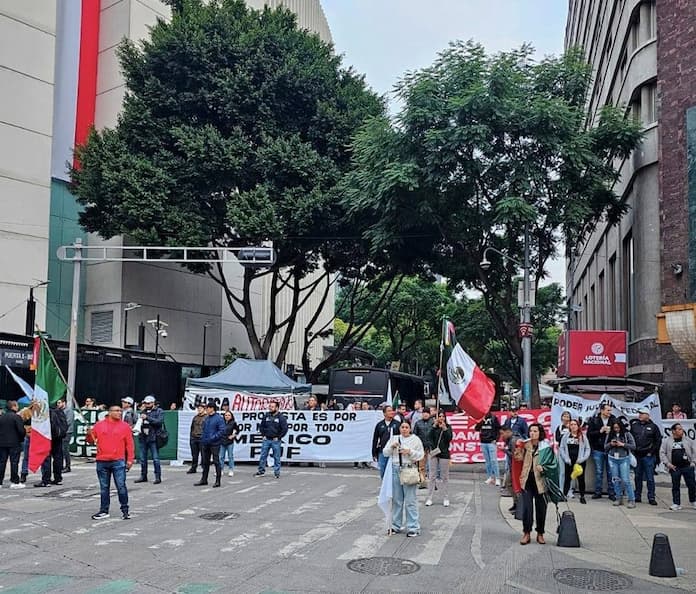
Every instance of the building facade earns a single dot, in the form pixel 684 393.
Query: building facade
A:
pixel 622 277
pixel 60 56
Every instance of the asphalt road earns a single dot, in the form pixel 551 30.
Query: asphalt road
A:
pixel 295 534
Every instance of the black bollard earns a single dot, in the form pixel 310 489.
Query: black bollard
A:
pixel 568 531
pixel 661 561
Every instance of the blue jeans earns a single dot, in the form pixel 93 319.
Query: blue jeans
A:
pixel 620 469
pixel 105 470
pixel 267 445
pixel 490 455
pixel 151 447
pixel 600 464
pixel 227 450
pixel 404 497
pixel 25 456
pixel 688 474
pixel 645 468
pixel 382 462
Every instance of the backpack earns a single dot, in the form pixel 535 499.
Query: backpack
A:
pixel 59 424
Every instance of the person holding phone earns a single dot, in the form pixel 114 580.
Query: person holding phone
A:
pixel 439 438
pixel 619 444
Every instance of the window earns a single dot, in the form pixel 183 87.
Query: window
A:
pixel 635 32
pixel 600 302
pixel 649 103
pixel 612 293
pixel 650 18
pixel 628 287
pixel 102 326
pixel 593 309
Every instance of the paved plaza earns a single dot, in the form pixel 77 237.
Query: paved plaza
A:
pixel 316 530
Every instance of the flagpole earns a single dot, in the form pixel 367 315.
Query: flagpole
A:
pixel 442 351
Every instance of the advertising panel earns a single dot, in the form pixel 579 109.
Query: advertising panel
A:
pixel 592 353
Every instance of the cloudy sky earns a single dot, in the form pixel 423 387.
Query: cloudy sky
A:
pixel 383 39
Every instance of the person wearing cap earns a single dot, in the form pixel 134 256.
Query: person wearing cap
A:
pixel 648 440
pixel 127 412
pixel 516 423
pixel 152 417
pixel 211 438
pixel 115 455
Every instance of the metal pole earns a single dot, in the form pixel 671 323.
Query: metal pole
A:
pixel 526 319
pixel 125 329
pixel 72 349
pixel 31 313
pixel 157 331
pixel 205 330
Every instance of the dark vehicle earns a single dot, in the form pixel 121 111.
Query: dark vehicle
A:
pixel 369 384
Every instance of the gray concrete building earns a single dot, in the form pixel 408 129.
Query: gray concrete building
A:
pixel 622 277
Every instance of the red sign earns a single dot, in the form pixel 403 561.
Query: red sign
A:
pixel 592 353
pixel 465 447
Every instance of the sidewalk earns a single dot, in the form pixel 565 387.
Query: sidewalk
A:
pixel 621 538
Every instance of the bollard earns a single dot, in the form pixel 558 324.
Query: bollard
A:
pixel 661 561
pixel 568 531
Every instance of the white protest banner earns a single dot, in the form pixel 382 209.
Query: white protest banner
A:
pixel 324 436
pixel 236 400
pixel 583 408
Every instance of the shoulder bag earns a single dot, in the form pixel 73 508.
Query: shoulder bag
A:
pixel 408 475
pixel 436 450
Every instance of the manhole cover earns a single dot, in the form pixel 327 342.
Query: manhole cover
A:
pixel 219 516
pixel 593 579
pixel 383 566
pixel 71 492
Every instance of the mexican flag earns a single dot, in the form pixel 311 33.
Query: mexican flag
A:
pixel 469 387
pixel 48 389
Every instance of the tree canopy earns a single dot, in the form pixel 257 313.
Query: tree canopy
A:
pixel 235 130
pixel 484 147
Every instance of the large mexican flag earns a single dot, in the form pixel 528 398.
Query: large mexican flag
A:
pixel 48 389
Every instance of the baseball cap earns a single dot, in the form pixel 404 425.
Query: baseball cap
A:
pixel 127 399
pixel 643 410
pixel 211 404
pixel 148 399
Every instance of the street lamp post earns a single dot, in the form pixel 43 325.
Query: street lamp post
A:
pixel 526 307
pixel 31 308
pixel 126 309
pixel 160 330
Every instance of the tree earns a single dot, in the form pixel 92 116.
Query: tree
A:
pixel 484 147
pixel 235 131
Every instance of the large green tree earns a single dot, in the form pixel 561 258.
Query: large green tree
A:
pixel 484 147
pixel 235 131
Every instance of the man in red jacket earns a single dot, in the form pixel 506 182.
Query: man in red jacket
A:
pixel 115 454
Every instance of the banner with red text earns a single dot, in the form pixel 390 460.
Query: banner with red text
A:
pixel 236 400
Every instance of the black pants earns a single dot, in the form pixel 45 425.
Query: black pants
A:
pixel 208 451
pixel 66 451
pixel 567 479
pixel 11 454
pixel 55 456
pixel 195 452
pixel 531 499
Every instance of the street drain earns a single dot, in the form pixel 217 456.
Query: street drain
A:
pixel 593 579
pixel 383 566
pixel 219 516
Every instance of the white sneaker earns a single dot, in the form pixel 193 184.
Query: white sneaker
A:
pixel 428 502
pixel 489 480
pixel 675 507
pixel 230 473
pixel 694 504
pixel 497 482
pixel 17 485
pixel 570 493
pixel 446 503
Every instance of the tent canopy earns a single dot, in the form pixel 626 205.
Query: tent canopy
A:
pixel 248 375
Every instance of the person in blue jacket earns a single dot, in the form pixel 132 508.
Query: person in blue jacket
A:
pixel 273 427
pixel 211 439
pixel 152 417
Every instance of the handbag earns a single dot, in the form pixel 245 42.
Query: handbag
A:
pixel 436 451
pixel 408 475
pixel 632 460
pixel 162 437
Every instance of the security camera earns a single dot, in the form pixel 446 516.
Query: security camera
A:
pixel 485 264
pixel 163 333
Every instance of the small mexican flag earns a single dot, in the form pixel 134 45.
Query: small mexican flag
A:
pixel 48 389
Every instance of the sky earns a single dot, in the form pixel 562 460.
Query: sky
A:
pixel 383 39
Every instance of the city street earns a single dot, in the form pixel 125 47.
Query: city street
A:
pixel 296 534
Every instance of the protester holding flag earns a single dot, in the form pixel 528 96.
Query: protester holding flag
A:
pixel 48 389
pixel 532 481
pixel 405 450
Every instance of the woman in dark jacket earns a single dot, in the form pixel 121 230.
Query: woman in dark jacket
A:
pixel 440 437
pixel 227 447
